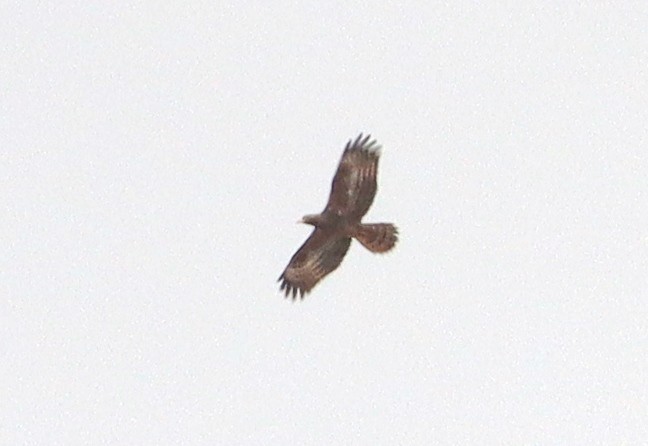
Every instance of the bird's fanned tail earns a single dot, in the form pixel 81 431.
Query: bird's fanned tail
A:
pixel 377 237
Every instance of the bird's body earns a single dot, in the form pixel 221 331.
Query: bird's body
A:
pixel 352 192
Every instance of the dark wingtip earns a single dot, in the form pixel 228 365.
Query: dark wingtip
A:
pixel 363 143
pixel 292 292
pixel 351 144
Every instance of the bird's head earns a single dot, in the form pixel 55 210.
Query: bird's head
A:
pixel 312 219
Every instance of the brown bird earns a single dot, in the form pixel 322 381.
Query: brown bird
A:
pixel 352 192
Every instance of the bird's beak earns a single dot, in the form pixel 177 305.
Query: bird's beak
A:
pixel 300 221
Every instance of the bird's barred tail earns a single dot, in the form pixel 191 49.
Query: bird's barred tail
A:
pixel 378 237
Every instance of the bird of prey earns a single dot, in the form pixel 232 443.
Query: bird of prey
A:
pixel 352 192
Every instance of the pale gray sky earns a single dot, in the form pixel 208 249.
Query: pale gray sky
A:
pixel 154 159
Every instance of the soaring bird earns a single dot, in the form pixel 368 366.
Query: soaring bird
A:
pixel 352 192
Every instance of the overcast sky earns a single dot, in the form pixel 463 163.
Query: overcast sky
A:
pixel 153 162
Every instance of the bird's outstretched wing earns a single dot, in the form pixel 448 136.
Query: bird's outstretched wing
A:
pixel 354 184
pixel 320 254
